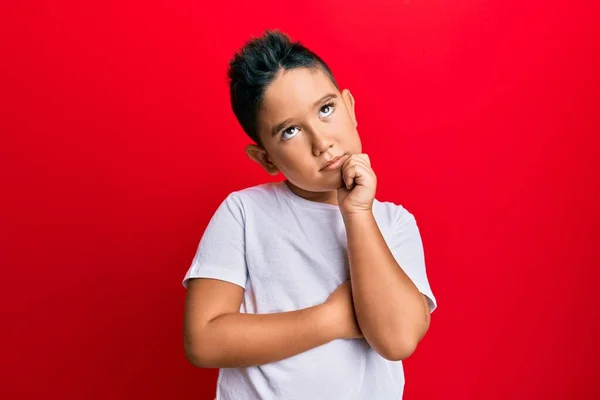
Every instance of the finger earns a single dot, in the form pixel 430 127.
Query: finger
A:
pixel 346 161
pixel 367 171
pixel 365 158
pixel 358 159
pixel 355 174
pixel 348 176
pixel 346 179
pixel 354 161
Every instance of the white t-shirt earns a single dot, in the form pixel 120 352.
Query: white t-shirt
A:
pixel 290 253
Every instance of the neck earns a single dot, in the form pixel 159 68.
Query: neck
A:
pixel 329 197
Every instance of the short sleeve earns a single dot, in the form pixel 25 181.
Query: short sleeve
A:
pixel 406 245
pixel 221 251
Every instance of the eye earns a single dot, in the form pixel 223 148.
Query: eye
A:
pixel 329 109
pixel 288 130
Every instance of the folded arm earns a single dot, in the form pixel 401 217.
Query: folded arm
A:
pixel 217 335
pixel 393 315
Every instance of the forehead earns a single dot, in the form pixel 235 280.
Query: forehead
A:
pixel 293 93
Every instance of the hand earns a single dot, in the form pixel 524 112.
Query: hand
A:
pixel 340 312
pixel 359 185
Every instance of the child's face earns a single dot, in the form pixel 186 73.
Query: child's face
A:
pixel 304 122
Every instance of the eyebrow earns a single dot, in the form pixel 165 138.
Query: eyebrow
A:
pixel 282 124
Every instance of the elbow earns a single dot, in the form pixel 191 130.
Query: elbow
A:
pixel 396 344
pixel 399 349
pixel 197 356
pixel 401 346
pixel 194 357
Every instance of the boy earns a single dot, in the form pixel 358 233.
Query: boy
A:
pixel 308 288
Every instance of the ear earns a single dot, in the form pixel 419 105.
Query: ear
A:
pixel 259 154
pixel 349 100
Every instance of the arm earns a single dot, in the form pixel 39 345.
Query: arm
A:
pixel 393 315
pixel 217 335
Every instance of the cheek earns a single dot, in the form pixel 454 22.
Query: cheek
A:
pixel 347 127
pixel 296 162
pixel 351 137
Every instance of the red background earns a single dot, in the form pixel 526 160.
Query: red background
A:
pixel 117 145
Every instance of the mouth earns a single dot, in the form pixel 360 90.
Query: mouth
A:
pixel 334 163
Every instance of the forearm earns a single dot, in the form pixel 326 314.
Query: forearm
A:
pixel 242 340
pixel 389 308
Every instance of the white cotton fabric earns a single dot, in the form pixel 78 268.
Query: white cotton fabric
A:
pixel 290 253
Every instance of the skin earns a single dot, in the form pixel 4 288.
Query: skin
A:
pixel 217 335
pixel 313 133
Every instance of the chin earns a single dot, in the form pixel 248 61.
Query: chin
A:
pixel 333 183
pixel 322 183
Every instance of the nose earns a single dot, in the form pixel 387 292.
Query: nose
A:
pixel 321 142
